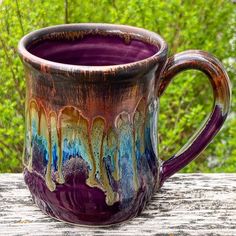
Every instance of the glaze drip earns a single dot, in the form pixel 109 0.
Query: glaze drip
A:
pixel 117 158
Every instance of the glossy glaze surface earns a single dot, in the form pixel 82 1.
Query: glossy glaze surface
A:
pixel 90 153
pixel 93 50
pixel 92 102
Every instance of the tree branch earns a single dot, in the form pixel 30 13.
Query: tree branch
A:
pixel 66 11
pixel 19 17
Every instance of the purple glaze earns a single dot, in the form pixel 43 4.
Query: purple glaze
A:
pixel 78 203
pixel 93 50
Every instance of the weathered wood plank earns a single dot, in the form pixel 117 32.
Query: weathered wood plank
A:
pixel 188 204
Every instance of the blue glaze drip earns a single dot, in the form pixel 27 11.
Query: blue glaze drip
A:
pixel 73 148
pixel 54 157
pixel 40 153
pixel 110 168
pixel 149 151
pixel 126 163
pixel 34 127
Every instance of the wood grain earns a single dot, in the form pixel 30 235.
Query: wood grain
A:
pixel 188 204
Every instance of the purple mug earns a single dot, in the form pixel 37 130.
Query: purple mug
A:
pixel 92 101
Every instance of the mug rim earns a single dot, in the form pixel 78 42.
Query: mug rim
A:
pixel 47 66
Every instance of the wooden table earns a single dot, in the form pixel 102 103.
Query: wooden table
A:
pixel 188 204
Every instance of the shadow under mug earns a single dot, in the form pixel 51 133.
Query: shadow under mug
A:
pixel 92 101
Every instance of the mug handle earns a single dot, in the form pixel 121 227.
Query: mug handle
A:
pixel 210 66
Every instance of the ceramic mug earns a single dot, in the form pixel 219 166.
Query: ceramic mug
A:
pixel 92 101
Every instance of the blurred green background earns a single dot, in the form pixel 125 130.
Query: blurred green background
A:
pixel 194 24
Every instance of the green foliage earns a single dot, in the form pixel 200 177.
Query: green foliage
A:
pixel 199 24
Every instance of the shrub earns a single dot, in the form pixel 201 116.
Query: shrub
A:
pixel 207 25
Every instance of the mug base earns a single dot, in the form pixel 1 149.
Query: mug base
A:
pixel 65 204
pixel 80 224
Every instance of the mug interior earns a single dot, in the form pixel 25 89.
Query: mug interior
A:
pixel 91 48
